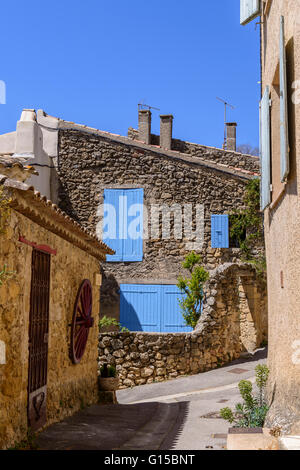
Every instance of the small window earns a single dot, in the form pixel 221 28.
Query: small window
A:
pixel 234 239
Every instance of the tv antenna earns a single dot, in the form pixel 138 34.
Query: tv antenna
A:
pixel 146 106
pixel 225 119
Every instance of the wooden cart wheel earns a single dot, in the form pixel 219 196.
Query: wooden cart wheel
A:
pixel 82 321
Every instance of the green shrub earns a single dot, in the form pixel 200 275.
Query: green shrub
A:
pixel 108 371
pixel 191 304
pixel 252 412
pixel 106 322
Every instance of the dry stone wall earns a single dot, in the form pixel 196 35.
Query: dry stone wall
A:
pixel 234 319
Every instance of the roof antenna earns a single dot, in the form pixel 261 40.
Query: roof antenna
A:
pixel 225 119
pixel 146 106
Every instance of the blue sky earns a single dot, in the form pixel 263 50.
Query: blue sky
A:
pixel 91 62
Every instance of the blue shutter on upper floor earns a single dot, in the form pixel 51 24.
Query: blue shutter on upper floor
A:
pixel 111 222
pixel 123 223
pixel 219 231
pixel 133 225
pixel 250 9
pixel 284 132
pixel 265 150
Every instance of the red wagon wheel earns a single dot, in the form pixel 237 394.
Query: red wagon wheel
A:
pixel 82 321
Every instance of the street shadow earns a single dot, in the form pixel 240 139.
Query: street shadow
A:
pixel 139 426
pixel 250 357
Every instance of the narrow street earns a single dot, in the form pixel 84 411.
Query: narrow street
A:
pixel 181 414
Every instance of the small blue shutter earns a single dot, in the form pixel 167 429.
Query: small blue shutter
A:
pixel 133 225
pixel 220 231
pixel 265 149
pixel 284 133
pixel 250 9
pixel 111 200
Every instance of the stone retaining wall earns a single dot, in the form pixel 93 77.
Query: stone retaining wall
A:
pixel 234 319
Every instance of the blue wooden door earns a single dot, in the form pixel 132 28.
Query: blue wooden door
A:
pixel 151 308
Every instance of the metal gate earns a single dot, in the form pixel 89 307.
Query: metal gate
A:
pixel 38 339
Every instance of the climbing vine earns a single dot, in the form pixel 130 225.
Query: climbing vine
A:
pixel 246 227
pixel 4 217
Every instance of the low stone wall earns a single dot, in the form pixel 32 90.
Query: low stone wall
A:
pixel 234 319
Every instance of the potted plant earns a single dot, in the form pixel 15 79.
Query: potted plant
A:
pixel 108 380
pixel 249 416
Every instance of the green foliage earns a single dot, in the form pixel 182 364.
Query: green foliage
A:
pixel 29 443
pixel 192 288
pixel 246 226
pixel 5 275
pixel 252 412
pixel 106 322
pixel 4 217
pixel 4 210
pixel 108 371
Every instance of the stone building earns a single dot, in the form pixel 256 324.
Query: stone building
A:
pixel 175 196
pixel 280 148
pixel 49 308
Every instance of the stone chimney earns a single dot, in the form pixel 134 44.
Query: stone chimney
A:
pixel 166 126
pixel 231 135
pixel 145 125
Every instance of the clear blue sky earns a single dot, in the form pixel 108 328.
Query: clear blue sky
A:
pixel 92 61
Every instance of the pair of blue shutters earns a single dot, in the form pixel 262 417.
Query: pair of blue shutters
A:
pixel 151 308
pixel 265 121
pixel 220 231
pixel 123 223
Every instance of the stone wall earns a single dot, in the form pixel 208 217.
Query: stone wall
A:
pixel 89 163
pixel 234 319
pixel 69 386
pixel 225 157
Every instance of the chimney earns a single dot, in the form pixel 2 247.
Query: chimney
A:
pixel 231 135
pixel 145 125
pixel 166 125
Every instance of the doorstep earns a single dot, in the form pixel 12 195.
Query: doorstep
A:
pixel 289 442
pixel 251 439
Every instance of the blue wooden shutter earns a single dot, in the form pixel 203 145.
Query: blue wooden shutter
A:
pixel 111 200
pixel 133 225
pixel 220 231
pixel 265 149
pixel 284 133
pixel 140 307
pixel 172 320
pixel 250 9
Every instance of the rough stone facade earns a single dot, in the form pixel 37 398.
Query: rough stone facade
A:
pixel 234 319
pixel 69 386
pixel 225 157
pixel 89 163
pixel 282 218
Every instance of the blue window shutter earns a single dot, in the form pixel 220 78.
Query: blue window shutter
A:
pixel 112 217
pixel 250 9
pixel 265 149
pixel 284 132
pixel 220 231
pixel 133 225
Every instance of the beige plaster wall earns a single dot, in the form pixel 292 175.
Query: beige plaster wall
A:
pixel 70 387
pixel 282 222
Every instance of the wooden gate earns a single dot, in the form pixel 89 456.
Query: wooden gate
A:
pixel 38 339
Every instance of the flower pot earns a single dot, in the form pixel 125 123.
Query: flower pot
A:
pixel 251 439
pixel 108 384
